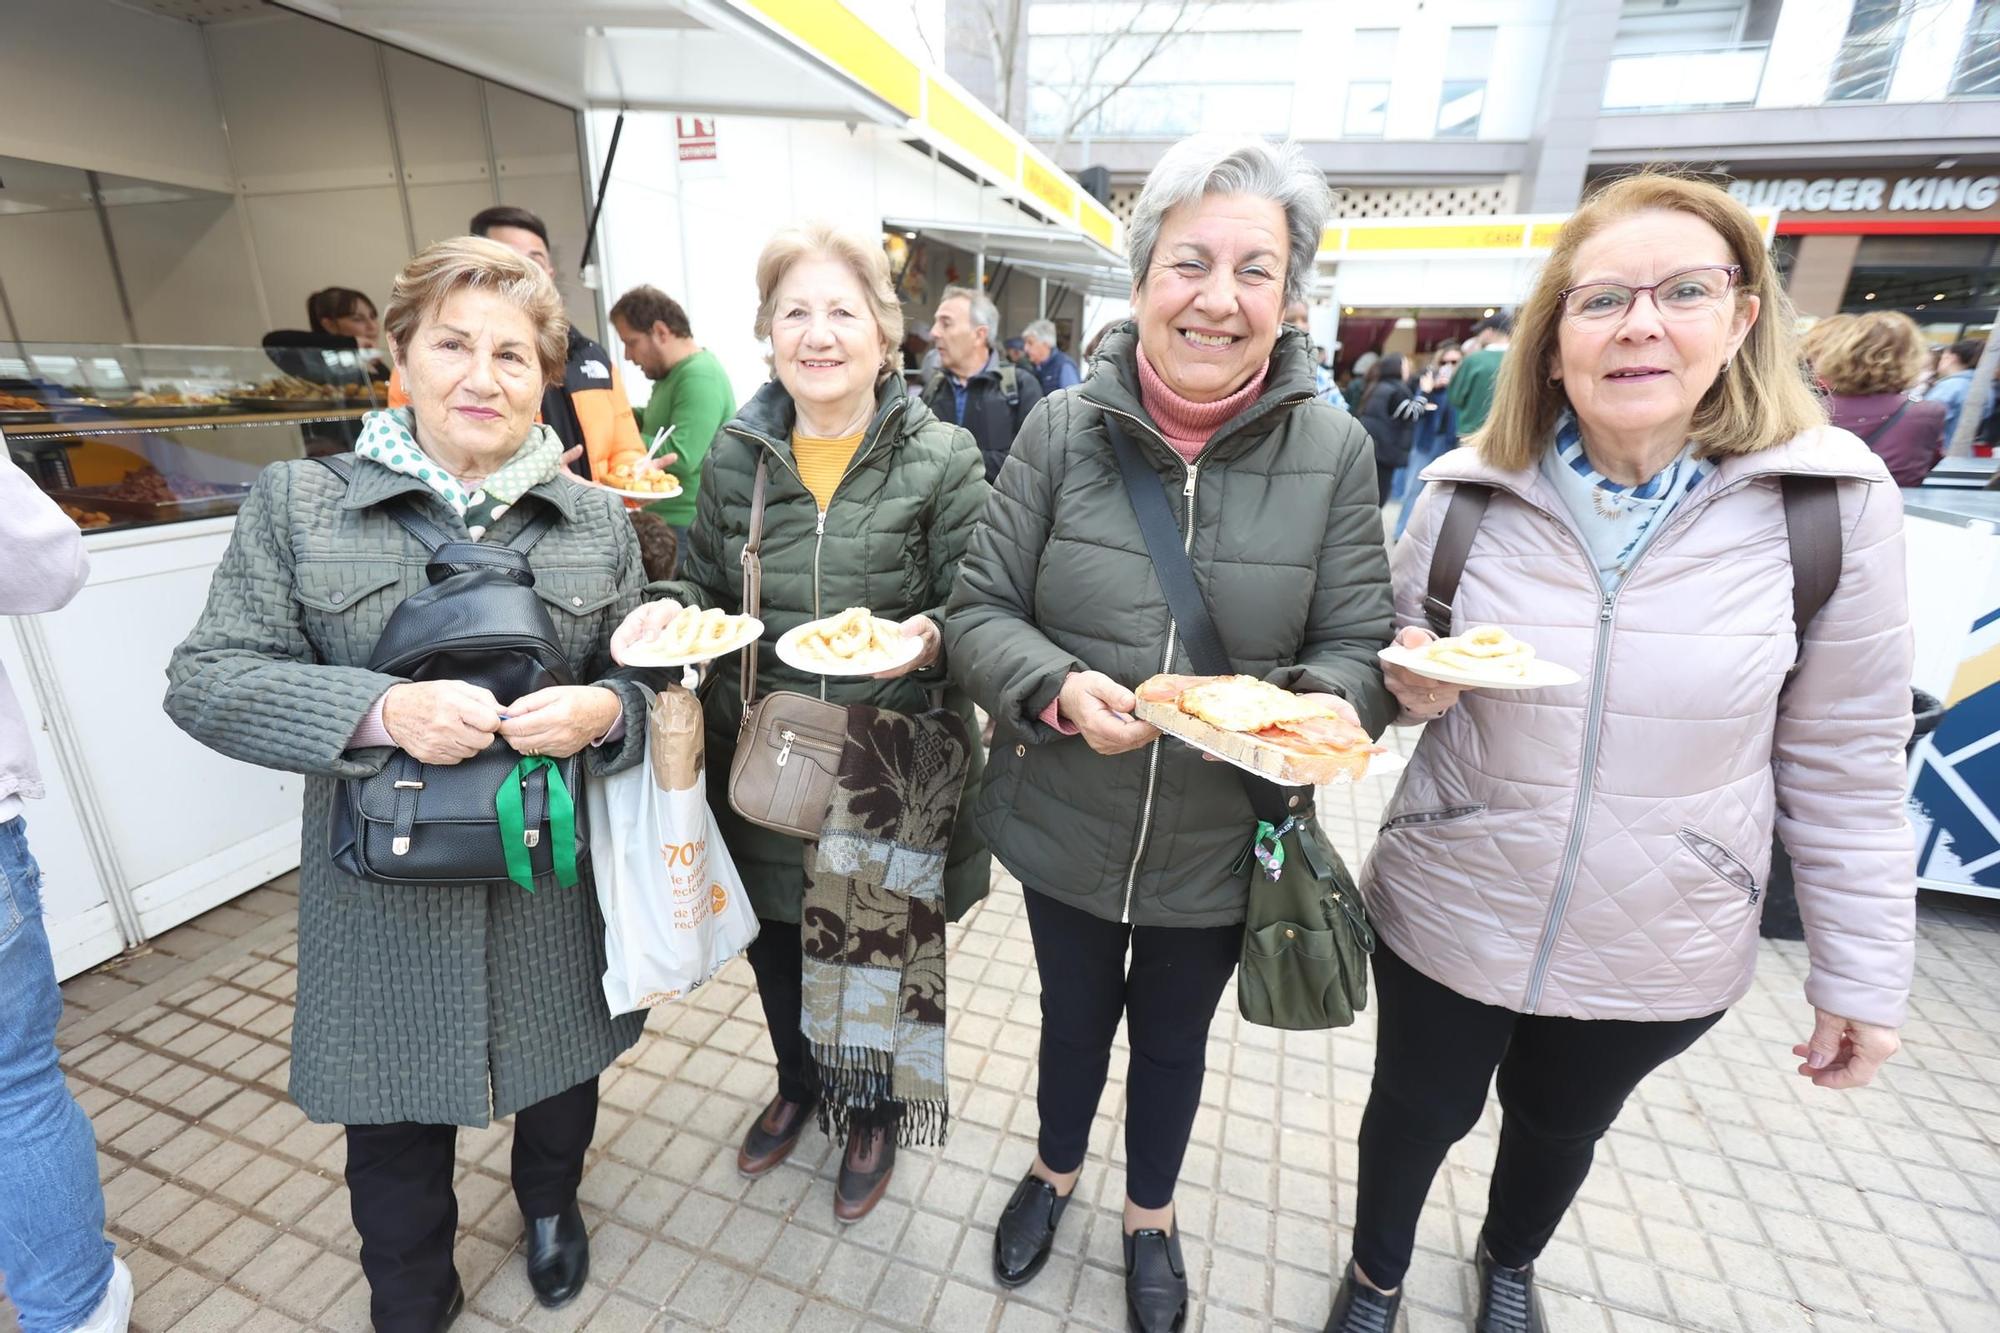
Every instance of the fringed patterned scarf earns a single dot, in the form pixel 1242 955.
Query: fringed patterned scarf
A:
pixel 873 923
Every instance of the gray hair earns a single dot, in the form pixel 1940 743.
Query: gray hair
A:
pixel 1042 331
pixel 984 313
pixel 1209 164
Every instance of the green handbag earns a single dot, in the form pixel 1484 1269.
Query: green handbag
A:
pixel 1306 937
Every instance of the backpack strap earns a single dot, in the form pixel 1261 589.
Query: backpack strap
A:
pixel 1812 529
pixel 1454 541
pixel 1010 383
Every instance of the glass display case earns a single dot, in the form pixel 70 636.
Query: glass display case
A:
pixel 134 436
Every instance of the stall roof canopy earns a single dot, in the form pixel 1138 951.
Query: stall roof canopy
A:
pixel 1039 252
pixel 784 58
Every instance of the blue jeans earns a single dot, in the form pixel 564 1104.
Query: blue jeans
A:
pixel 1420 458
pixel 52 1247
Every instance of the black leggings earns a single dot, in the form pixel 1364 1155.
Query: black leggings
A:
pixel 1562 1082
pixel 1168 997
pixel 399 1187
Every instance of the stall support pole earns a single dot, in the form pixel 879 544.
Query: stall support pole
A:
pixel 1042 301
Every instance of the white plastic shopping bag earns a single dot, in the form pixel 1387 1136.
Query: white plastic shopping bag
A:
pixel 674 907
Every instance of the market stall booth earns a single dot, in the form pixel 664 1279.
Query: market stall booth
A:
pixel 177 179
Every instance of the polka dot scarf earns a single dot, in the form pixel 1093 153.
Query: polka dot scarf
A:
pixel 390 439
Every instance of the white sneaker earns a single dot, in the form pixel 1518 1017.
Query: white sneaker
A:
pixel 114 1312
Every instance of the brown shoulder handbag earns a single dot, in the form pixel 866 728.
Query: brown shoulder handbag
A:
pixel 788 751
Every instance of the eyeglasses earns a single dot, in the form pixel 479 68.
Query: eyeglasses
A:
pixel 1685 295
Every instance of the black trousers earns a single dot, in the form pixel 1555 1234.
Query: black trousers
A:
pixel 1167 996
pixel 777 958
pixel 1562 1081
pixel 399 1186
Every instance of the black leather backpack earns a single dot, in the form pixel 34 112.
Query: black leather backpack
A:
pixel 499 816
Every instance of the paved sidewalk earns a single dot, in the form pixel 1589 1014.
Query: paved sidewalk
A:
pixel 1730 1196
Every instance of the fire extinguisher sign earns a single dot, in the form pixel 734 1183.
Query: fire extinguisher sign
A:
pixel 697 137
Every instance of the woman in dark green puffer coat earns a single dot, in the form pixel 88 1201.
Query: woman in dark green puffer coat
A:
pixel 1124 840
pixel 869 502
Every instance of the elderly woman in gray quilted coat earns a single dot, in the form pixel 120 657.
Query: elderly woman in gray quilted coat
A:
pixel 424 1008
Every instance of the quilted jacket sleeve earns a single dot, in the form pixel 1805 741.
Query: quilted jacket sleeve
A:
pixel 244 682
pixel 996 651
pixel 1838 763
pixel 633 686
pixel 1349 621
pixel 699 581
pixel 961 499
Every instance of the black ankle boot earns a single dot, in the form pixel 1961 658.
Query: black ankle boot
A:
pixel 558 1257
pixel 1156 1287
pixel 1359 1308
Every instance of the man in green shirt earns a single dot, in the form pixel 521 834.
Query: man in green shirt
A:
pixel 1472 386
pixel 691 392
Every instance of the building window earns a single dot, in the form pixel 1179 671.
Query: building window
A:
pixel 1867 59
pixel 1978 72
pixel 1367 111
pixel 1373 52
pixel 1468 60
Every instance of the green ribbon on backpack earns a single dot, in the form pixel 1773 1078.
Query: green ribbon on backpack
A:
pixel 514 824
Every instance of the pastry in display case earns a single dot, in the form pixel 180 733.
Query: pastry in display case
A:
pixel 133 436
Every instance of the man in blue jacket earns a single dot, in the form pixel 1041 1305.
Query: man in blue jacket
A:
pixel 1052 365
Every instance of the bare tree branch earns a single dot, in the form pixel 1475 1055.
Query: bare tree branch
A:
pixel 1086 105
pixel 917 22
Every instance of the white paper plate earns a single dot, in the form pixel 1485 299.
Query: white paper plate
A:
pixel 648 497
pixel 750 631
pixel 1540 675
pixel 789 654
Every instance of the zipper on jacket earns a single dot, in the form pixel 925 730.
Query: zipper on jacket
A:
pixel 1166 664
pixel 1586 788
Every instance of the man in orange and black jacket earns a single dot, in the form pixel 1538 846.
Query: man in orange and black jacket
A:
pixel 589 407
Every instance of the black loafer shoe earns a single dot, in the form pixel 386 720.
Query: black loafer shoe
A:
pixel 454 1310
pixel 865 1169
pixel 1027 1230
pixel 1508 1302
pixel 1155 1282
pixel 772 1135
pixel 1362 1309
pixel 558 1257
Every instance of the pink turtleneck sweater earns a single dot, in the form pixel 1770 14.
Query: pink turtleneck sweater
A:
pixel 1187 426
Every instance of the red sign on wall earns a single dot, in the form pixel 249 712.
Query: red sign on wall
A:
pixel 697 137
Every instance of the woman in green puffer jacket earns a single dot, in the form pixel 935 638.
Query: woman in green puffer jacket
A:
pixel 1121 838
pixel 869 502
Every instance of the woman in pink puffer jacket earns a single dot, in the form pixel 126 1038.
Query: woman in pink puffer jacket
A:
pixel 1566 883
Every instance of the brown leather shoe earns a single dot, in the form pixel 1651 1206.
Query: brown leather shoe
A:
pixel 865 1169
pixel 772 1135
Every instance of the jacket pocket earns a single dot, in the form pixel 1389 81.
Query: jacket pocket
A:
pixel 1726 864
pixel 1444 815
pixel 336 587
pixel 573 594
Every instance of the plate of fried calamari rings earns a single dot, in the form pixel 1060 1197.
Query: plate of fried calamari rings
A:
pixel 853 643
pixel 692 637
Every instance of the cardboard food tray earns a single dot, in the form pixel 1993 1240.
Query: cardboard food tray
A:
pixel 1259 756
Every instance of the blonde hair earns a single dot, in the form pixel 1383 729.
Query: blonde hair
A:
pixel 1760 400
pixel 865 259
pixel 1879 352
pixel 427 281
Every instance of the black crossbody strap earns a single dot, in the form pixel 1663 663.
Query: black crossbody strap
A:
pixel 1454 542
pixel 1883 429
pixel 1170 557
pixel 1164 543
